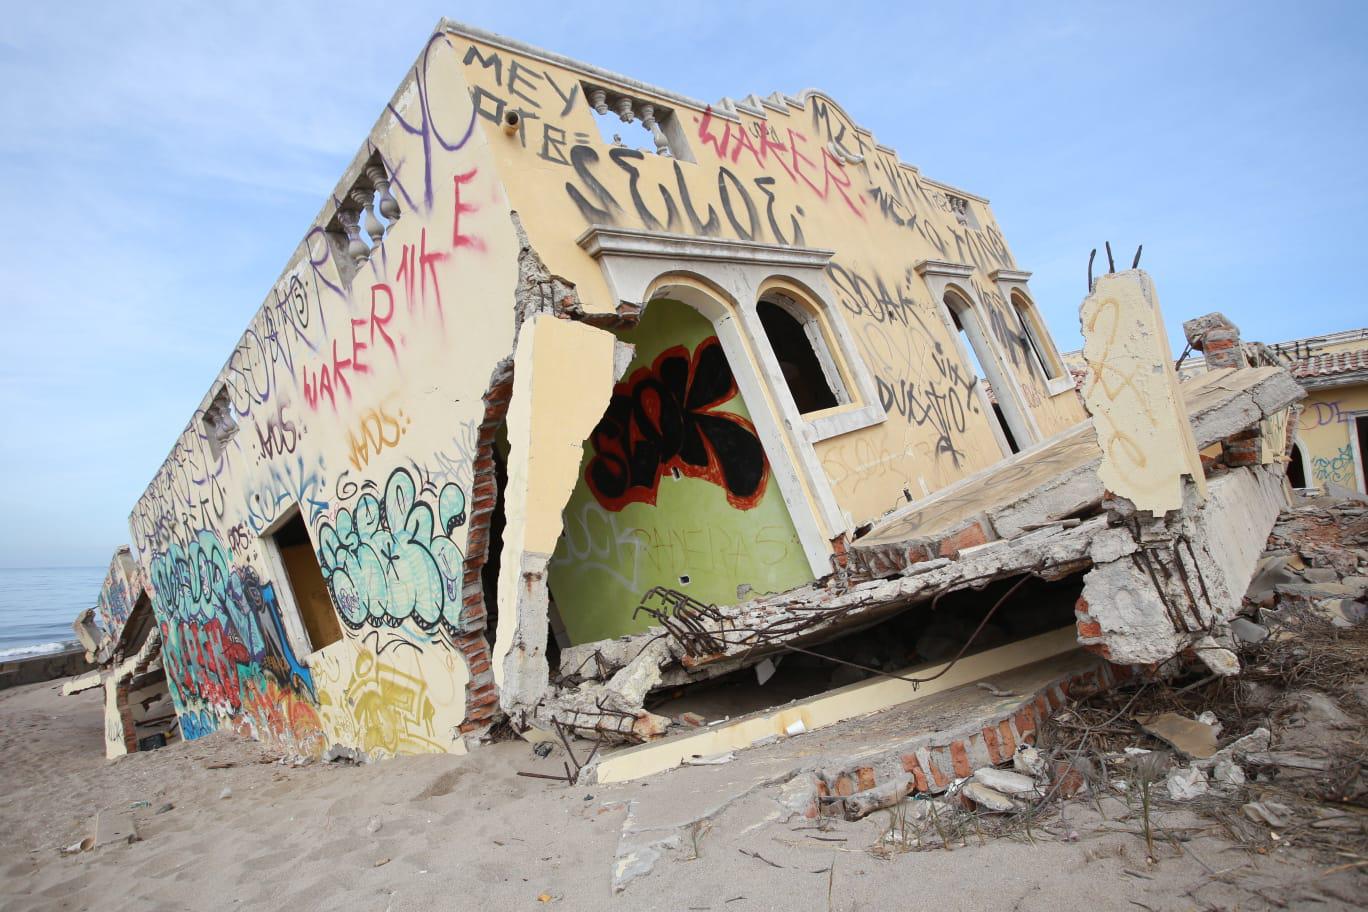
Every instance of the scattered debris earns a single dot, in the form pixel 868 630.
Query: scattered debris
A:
pixel 986 798
pixel 1006 782
pixel 1186 784
pixel 1190 737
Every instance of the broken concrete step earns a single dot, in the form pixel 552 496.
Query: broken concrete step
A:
pixel 1005 781
pixel 987 799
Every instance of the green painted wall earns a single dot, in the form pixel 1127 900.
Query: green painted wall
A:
pixel 668 489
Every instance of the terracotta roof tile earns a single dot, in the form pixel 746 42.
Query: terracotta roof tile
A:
pixel 1331 364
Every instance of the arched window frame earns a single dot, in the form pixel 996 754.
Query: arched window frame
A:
pixel 809 319
pixel 725 280
pixel 1011 284
pixel 943 279
pixel 857 403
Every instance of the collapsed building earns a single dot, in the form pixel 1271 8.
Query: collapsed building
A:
pixel 586 407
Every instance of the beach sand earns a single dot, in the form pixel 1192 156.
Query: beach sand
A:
pixel 440 832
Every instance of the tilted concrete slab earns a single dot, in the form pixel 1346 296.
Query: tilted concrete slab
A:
pixel 1060 475
pixel 800 716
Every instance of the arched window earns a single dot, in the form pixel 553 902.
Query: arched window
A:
pixel 1050 364
pixel 975 346
pixel 804 359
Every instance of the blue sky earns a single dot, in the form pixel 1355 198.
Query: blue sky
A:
pixel 162 160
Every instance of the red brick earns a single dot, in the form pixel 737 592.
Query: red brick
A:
pixel 1008 741
pixel 990 741
pixel 911 765
pixel 968 537
pixel 864 776
pixel 939 779
pixel 1089 629
pixel 959 758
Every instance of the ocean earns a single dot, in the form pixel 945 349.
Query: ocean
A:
pixel 38 605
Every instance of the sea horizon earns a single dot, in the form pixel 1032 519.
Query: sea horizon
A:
pixel 38 606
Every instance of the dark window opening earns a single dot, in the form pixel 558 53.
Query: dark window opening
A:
pixel 1047 365
pixel 1006 430
pixel 1296 475
pixel 955 305
pixel 307 585
pixel 911 641
pixel 1361 426
pixel 798 361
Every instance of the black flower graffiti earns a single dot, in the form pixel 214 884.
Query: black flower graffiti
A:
pixel 665 419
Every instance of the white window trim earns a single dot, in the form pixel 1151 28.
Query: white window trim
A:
pixel 940 277
pixel 636 263
pixel 1009 280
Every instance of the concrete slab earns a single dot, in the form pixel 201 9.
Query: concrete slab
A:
pixel 114 826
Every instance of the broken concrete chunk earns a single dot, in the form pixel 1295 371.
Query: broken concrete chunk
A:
pixel 1246 631
pixel 1191 738
pixel 1216 657
pixel 114 827
pixel 987 799
pixel 1227 772
pixel 1320 575
pixel 1186 784
pixel 1260 812
pixel 1005 781
pixel 1028 762
pixel 1288 760
pixel 1342 612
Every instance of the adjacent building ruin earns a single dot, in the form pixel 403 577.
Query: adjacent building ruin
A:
pixel 581 400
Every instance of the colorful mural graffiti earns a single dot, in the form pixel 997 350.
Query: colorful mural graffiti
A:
pixel 391 561
pixel 667 418
pixel 674 488
pixel 225 650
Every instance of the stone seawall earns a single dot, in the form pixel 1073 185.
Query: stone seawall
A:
pixel 34 669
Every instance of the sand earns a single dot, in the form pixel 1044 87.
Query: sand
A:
pixel 439 832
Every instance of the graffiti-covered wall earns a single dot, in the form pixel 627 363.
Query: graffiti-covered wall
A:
pixel 792 173
pixel 354 397
pixel 120 591
pixel 1325 433
pixel 674 489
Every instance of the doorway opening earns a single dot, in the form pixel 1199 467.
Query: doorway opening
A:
pixel 1361 432
pixel 1296 474
pixel 308 590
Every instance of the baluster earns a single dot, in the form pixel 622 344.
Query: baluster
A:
pixel 389 206
pixel 364 197
pixel 356 248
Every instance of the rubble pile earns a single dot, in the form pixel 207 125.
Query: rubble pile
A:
pixel 1273 757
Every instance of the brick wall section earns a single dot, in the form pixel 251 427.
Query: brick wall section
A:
pixel 1242 449
pixel 929 762
pixel 482 695
pixel 130 732
pixel 882 561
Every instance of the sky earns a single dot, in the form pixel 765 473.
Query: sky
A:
pixel 162 160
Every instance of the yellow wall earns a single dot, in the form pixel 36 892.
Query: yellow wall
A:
pixel 773 180
pixel 357 398
pixel 357 390
pixel 1324 434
